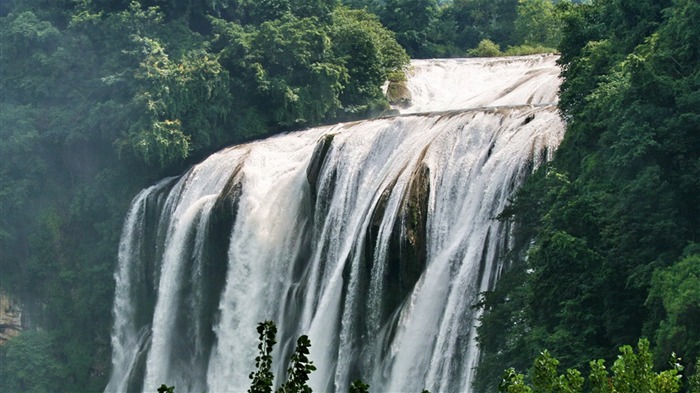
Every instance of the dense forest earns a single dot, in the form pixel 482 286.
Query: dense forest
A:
pixel 101 98
pixel 610 227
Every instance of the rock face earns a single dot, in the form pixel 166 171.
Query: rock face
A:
pixel 10 318
pixel 319 157
pixel 408 253
pixel 398 94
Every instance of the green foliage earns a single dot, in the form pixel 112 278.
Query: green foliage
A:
pixel 486 48
pixel 512 382
pixel 297 375
pixel 300 369
pixel 411 20
pixel 369 53
pixel 372 6
pixel 166 389
pixel 296 72
pixel 522 50
pixel 694 380
pixel 476 20
pixel 632 373
pixel 169 95
pixel 262 379
pixel 538 23
pixel 359 387
pixel 677 288
pixel 100 99
pixel 429 28
pixel 603 224
pixel 27 364
pixel 321 9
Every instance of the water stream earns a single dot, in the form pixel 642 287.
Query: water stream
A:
pixel 375 238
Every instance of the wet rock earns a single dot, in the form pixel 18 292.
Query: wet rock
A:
pixel 10 318
pixel 407 248
pixel 398 94
pixel 317 159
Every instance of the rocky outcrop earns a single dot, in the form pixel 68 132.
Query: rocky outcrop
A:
pixel 398 94
pixel 407 253
pixel 317 159
pixel 411 237
pixel 10 318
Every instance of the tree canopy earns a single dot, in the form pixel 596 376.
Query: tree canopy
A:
pixel 614 217
pixel 632 373
pixel 102 98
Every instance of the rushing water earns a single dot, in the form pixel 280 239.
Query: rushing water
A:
pixel 374 238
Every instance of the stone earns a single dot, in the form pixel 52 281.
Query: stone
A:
pixel 10 318
pixel 398 94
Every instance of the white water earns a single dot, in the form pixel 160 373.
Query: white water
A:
pixel 444 85
pixel 329 259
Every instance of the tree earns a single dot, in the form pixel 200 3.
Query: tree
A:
pixel 173 123
pixel 300 368
pixel 485 19
pixel 632 373
pixel 370 53
pixel 410 20
pixel 617 204
pixel 262 379
pixel 538 23
pixel 101 98
pixel 677 289
pixel 27 364
pixel 297 374
pixel 486 48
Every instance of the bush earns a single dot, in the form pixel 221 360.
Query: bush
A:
pixel 486 48
pixel 522 50
pixel 28 364
pixel 632 372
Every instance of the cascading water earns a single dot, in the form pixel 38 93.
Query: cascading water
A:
pixel 374 238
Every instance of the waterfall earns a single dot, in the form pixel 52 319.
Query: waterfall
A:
pixel 375 238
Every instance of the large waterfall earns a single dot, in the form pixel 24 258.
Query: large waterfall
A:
pixel 375 238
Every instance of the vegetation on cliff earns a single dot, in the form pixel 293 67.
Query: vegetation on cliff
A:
pixel 614 218
pixel 99 99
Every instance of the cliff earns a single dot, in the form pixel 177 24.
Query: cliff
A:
pixel 10 318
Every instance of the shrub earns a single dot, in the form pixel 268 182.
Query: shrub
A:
pixel 486 48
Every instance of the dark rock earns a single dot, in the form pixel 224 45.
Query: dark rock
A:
pixel 317 159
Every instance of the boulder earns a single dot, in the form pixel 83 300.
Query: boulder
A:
pixel 398 94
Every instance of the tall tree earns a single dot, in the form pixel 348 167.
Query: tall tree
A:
pixel 410 20
pixel 484 19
